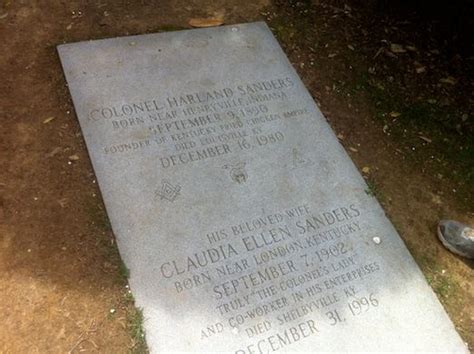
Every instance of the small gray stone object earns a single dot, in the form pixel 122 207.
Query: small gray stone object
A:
pixel 243 221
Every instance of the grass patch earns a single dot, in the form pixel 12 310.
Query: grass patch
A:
pixel 444 286
pixel 296 27
pixel 283 32
pixel 135 321
pixel 441 282
pixel 372 189
pixel 123 270
pixel 98 215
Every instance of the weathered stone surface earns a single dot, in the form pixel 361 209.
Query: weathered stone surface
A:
pixel 244 223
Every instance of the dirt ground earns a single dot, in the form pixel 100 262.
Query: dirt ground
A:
pixel 63 287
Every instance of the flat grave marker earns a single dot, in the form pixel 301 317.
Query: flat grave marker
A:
pixel 245 225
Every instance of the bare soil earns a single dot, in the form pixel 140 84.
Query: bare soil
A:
pixel 63 287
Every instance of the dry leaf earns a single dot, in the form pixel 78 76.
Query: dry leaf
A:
pixel 73 157
pixel 397 48
pixel 53 152
pixel 350 47
pixel 390 54
pixel 449 80
pixel 378 52
pixel 332 55
pixel 62 202
pixel 353 149
pixel 49 119
pixel 340 136
pixel 436 199
pixel 366 169
pixel 206 22
pixel 421 69
pixel 395 114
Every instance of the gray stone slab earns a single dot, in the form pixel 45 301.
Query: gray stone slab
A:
pixel 245 225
